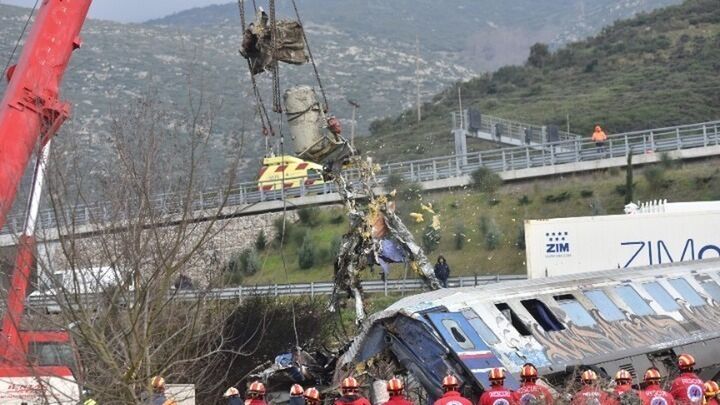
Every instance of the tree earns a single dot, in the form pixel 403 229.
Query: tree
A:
pixel 485 180
pixel 261 241
pixel 307 252
pixel 539 55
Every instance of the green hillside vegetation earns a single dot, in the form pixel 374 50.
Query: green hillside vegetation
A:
pixel 482 232
pixel 657 69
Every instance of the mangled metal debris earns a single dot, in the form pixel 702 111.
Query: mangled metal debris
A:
pixel 257 43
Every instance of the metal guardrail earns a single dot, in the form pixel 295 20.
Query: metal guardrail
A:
pixel 276 290
pixel 521 132
pixel 439 168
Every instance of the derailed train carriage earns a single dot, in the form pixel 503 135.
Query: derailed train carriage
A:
pixel 629 319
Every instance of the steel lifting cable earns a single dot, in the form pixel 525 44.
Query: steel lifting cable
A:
pixel 17 43
pixel 312 59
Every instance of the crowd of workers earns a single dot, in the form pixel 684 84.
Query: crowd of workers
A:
pixel 685 389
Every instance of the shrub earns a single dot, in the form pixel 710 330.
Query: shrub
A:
pixel 655 177
pixel 586 193
pixel 410 192
pixel 556 198
pixel 486 180
pixel 337 219
pixel 430 239
pixel 459 236
pixel 306 253
pixel 246 263
pixel 335 245
pixel 278 225
pixel 260 241
pixel 492 236
pixel 520 239
pixel 483 225
pixel 393 182
pixel 666 161
pixel 524 200
pixel 309 216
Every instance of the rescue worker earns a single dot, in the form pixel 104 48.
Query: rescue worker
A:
pixel 158 397
pixel 687 388
pixel 623 383
pixel 255 394
pixel 590 393
pixel 497 394
pixel 653 394
pixel 452 396
pixel 529 392
pixel 296 395
pixel 312 396
pixel 396 388
pixel 351 393
pixel 233 396
pixel 711 393
pixel 87 394
pixel 599 137
pixel 442 271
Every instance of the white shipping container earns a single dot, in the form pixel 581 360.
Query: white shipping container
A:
pixel 577 245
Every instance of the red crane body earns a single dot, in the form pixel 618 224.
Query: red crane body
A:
pixel 30 114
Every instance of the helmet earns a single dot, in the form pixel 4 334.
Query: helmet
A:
pixel 652 375
pixel 711 389
pixel 395 385
pixel 312 394
pixel 231 392
pixel 296 390
pixel 623 375
pixel 256 388
pixel 528 372
pixel 686 362
pixel 496 374
pixel 349 384
pixel 588 376
pixel 450 381
pixel 157 383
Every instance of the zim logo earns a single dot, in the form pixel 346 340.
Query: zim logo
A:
pixel 557 244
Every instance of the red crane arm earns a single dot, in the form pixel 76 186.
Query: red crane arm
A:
pixel 31 110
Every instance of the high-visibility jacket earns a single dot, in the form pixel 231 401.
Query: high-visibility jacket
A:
pixel 398 400
pixel 452 398
pixel 599 135
pixel 352 400
pixel 529 392
pixel 255 401
pixel 591 395
pixel 654 395
pixel 497 395
pixel 687 388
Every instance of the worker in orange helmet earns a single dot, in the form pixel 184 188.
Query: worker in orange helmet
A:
pixel 233 396
pixel 158 397
pixel 530 392
pixel 590 393
pixel 623 383
pixel 599 137
pixel 711 392
pixel 450 385
pixel 497 394
pixel 653 393
pixel 687 387
pixel 312 396
pixel 396 388
pixel 350 389
pixel 255 394
pixel 296 395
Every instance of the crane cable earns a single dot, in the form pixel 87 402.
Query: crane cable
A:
pixel 17 43
pixel 312 59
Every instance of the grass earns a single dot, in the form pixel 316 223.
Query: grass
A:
pixel 693 181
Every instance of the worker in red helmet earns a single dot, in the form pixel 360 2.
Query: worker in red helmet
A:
pixel 497 394
pixel 590 393
pixel 396 389
pixel 653 394
pixel 350 389
pixel 711 393
pixel 312 396
pixel 255 394
pixel 451 385
pixel 623 383
pixel 687 388
pixel 530 392
pixel 297 395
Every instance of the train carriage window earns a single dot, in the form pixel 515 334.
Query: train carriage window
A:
pixel 713 289
pixel 51 354
pixel 574 310
pixel 604 304
pixel 542 315
pixel 661 295
pixel 458 334
pixel 636 303
pixel 687 292
pixel 515 320
pixel 483 330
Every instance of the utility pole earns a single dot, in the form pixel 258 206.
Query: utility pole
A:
pixel 567 121
pixel 353 124
pixel 462 113
pixel 417 77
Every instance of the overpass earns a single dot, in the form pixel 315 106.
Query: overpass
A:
pixel 512 163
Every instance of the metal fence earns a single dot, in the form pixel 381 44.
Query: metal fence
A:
pixel 500 128
pixel 49 302
pixel 498 160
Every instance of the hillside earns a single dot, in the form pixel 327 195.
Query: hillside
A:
pixel 653 70
pixel 475 216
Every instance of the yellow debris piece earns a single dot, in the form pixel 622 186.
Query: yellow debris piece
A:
pixel 417 217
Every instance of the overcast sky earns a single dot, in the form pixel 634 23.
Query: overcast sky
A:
pixel 132 10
